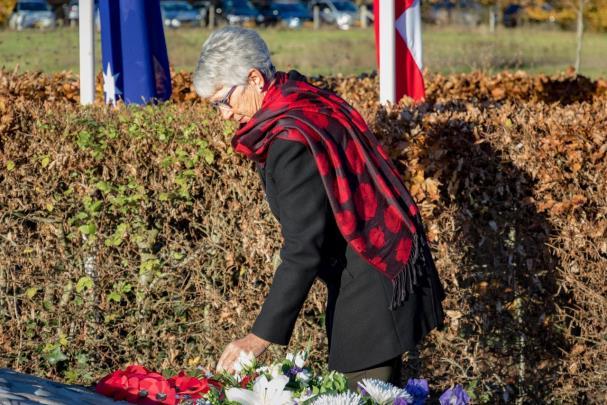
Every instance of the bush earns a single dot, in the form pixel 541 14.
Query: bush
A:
pixel 135 234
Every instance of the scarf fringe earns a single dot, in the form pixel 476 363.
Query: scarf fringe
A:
pixel 410 275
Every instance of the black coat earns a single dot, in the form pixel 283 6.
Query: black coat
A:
pixel 362 331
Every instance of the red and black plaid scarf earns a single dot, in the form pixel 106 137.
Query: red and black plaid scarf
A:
pixel 373 210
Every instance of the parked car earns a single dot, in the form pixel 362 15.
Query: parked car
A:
pixel 32 13
pixel 71 13
pixel 464 12
pixel 202 7
pixel 288 12
pixel 238 12
pixel 176 13
pixel 515 14
pixel 342 13
pixel 512 15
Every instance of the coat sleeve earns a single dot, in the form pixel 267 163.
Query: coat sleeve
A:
pixel 302 204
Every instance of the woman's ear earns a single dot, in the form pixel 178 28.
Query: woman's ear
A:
pixel 256 79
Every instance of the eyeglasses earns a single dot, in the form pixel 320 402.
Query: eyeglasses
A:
pixel 225 100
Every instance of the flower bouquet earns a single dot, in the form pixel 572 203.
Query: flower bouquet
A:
pixel 288 381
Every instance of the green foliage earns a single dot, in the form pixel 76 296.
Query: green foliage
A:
pixel 54 354
pixel 116 181
pixel 31 292
pixel 118 236
pixel 331 382
pixel 53 351
pixel 85 283
pixel 119 291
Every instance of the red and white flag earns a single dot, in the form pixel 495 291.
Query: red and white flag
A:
pixel 407 55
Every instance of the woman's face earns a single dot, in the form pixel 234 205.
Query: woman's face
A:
pixel 239 103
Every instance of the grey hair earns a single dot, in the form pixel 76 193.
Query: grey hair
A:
pixel 226 58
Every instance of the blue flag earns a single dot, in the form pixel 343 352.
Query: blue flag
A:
pixel 134 54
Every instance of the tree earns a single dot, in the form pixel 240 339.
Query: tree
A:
pixel 6 8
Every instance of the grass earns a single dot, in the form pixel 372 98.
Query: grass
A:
pixel 446 50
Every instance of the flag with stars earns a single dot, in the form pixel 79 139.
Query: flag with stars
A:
pixel 133 51
pixel 409 80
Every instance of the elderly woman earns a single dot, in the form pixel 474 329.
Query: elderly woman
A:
pixel 345 214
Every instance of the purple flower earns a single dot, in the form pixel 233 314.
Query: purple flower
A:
pixel 455 396
pixel 418 388
pixel 402 401
pixel 293 371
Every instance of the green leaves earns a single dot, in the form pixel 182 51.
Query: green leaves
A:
pixel 103 186
pixel 332 382
pixel 148 263
pixel 92 206
pixel 204 152
pixel 149 269
pixel 118 236
pixel 167 161
pixel 92 209
pixel 31 292
pixel 84 283
pixel 88 229
pixel 208 155
pixel 182 180
pixel 84 140
pixel 55 355
pixel 92 141
pixel 44 161
pixel 178 255
pixel 119 291
pixel 228 128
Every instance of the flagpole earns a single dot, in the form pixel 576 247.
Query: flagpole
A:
pixel 87 51
pixel 387 70
pixel 87 96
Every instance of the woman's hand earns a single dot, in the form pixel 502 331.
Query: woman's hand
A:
pixel 248 344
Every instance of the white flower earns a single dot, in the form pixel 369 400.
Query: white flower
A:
pixel 300 359
pixel 244 361
pixel 276 370
pixel 382 392
pixel 262 370
pixel 303 376
pixel 264 392
pixel 347 398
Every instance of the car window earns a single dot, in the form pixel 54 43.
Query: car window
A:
pixel 32 6
pixel 344 6
pixel 321 5
pixel 175 7
pixel 289 7
pixel 239 4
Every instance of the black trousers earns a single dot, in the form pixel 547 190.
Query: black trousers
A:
pixel 389 371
